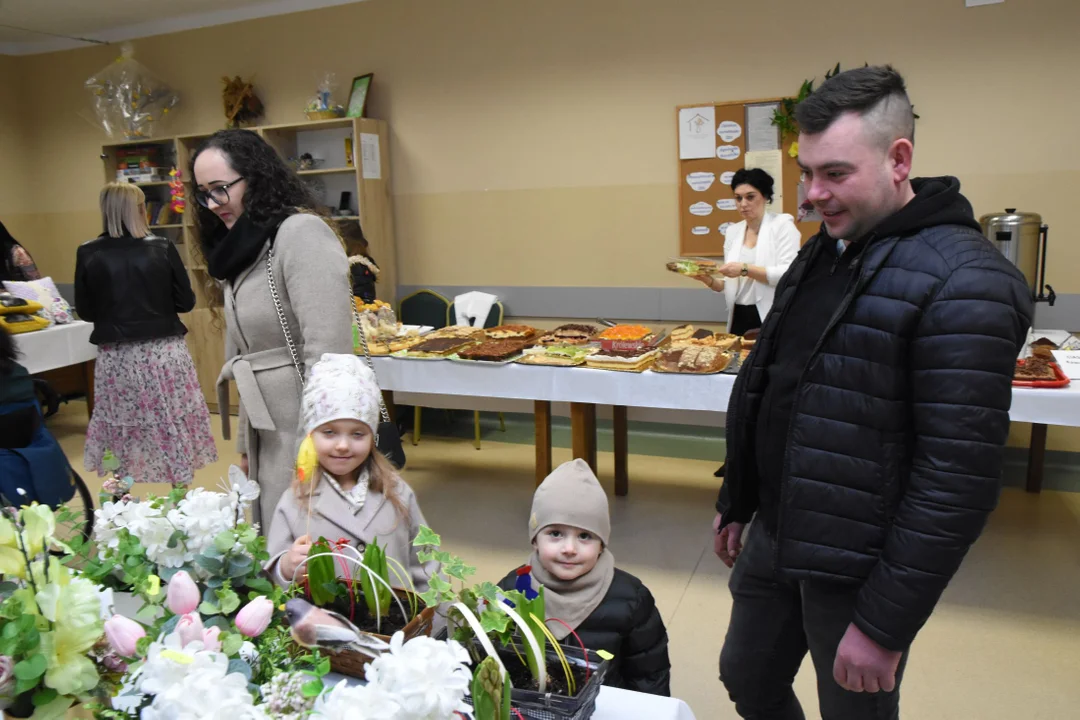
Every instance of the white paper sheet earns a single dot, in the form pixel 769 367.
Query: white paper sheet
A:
pixel 772 162
pixel 370 158
pixel 761 134
pixel 697 132
pixel 700 181
pixel 1069 360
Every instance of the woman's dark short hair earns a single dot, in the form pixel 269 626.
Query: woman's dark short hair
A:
pixel 757 179
pixel 273 188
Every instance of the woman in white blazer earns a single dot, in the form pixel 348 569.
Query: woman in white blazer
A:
pixel 757 251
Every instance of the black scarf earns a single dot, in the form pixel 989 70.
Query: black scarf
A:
pixel 241 246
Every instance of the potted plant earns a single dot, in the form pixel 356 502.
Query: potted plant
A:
pixel 364 593
pixel 508 629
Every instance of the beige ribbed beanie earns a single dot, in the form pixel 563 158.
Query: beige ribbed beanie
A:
pixel 571 495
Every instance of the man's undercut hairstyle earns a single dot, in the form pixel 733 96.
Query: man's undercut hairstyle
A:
pixel 876 93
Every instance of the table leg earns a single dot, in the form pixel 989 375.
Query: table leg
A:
pixel 619 429
pixel 583 432
pixel 88 374
pixel 543 440
pixel 1036 458
pixel 388 400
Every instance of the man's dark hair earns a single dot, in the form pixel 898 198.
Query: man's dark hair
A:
pixel 876 93
pixel 755 178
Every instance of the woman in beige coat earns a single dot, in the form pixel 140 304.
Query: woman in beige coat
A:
pixel 351 493
pixel 255 224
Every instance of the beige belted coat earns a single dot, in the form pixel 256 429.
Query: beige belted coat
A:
pixel 311 272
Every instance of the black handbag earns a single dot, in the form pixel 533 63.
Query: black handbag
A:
pixel 387 437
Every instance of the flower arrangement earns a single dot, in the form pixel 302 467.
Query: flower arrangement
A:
pixel 52 649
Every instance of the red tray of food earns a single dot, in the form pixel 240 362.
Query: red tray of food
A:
pixel 1061 381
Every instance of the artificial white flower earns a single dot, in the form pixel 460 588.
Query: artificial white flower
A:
pixel 108 522
pixel 205 515
pixel 359 702
pixel 169 661
pixel 210 692
pixel 428 678
pixel 154 534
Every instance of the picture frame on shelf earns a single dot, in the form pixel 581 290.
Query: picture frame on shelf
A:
pixel 361 84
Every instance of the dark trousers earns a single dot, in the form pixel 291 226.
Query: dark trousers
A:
pixel 774 623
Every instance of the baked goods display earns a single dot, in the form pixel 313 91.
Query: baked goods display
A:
pixel 687 335
pixel 438 347
pixel 512 332
pixel 493 351
pixel 694 266
pixel 1036 367
pixel 693 360
pixel 377 319
pixel 627 339
pixel 569 335
pixel 557 355
pixel 623 361
pixel 461 332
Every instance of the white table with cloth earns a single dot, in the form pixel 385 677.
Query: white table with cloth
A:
pixel 585 389
pixel 60 346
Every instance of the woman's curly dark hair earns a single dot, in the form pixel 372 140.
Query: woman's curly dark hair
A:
pixel 273 189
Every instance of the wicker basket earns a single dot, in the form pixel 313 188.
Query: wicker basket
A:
pixel 351 663
pixel 325 114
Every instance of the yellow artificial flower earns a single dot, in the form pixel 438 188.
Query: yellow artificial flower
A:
pixel 793 151
pixel 12 563
pixel 7 532
pixel 75 611
pixel 39 525
pixel 155 585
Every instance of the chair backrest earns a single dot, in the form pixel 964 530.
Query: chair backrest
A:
pixel 494 318
pixel 423 307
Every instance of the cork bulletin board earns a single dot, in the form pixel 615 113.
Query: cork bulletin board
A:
pixel 715 140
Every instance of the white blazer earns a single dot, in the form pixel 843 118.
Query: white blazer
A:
pixel 777 245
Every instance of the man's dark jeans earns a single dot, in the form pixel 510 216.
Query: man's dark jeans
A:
pixel 774 623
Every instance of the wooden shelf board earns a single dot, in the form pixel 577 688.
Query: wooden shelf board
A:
pixel 326 171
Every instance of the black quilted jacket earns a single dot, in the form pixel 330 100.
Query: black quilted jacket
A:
pixel 894 452
pixel 627 625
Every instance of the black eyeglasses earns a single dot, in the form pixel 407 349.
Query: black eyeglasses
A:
pixel 219 194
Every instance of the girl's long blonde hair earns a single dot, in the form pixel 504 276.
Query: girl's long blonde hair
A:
pixel 123 210
pixel 382 478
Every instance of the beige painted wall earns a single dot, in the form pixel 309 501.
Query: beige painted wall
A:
pixel 533 141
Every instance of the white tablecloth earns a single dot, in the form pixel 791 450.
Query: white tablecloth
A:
pixel 56 347
pixel 645 390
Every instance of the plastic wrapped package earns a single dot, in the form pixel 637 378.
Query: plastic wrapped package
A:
pixel 128 100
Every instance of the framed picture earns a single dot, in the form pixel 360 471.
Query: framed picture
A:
pixel 358 96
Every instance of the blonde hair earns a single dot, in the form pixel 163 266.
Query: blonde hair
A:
pixel 382 478
pixel 123 210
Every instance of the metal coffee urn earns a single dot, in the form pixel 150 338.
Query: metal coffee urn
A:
pixel 1022 238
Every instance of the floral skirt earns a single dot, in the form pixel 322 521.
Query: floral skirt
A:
pixel 150 412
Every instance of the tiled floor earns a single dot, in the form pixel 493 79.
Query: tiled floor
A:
pixel 1003 644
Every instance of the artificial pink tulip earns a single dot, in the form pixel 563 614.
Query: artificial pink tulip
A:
pixel 190 628
pixel 182 595
pixel 123 634
pixel 210 639
pixel 254 618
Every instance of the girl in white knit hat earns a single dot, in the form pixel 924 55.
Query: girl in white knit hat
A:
pixel 354 493
pixel 608 609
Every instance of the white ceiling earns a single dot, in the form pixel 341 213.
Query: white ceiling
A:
pixel 118 20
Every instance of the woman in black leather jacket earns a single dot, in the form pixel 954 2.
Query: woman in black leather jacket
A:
pixel 149 409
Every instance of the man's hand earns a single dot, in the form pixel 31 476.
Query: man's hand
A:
pixel 728 542
pixel 864 666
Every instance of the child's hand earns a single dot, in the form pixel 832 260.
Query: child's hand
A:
pixel 296 555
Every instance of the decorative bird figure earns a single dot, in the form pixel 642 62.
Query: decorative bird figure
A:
pixel 315 627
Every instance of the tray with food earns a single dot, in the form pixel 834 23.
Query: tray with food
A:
pixel 693 360
pixel 557 355
pixel 459 332
pixel 572 334
pixel 1039 371
pixel 492 352
pixel 687 335
pixel 694 266
pixel 511 332
pixel 635 361
pixel 437 348
pixel 629 339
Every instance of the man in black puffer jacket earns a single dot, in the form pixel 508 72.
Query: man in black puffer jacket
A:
pixel 867 428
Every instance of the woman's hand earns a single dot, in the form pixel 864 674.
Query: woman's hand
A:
pixel 731 269
pixel 296 555
pixel 710 282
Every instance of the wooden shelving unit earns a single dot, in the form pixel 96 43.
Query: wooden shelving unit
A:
pixel 365 176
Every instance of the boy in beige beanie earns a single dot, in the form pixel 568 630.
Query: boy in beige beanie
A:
pixel 607 608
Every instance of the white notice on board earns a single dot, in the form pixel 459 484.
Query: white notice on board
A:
pixel 761 134
pixel 697 132
pixel 772 162
pixel 370 160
